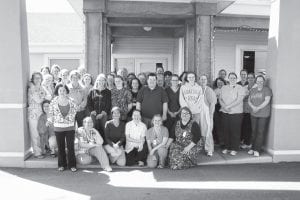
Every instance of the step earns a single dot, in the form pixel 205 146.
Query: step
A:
pixel 217 159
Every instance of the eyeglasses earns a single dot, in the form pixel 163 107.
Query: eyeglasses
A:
pixel 185 113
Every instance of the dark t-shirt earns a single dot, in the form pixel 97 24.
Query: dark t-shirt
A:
pixel 173 97
pixel 152 101
pixel 257 98
pixel 114 134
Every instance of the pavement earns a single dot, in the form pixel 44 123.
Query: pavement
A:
pixel 267 181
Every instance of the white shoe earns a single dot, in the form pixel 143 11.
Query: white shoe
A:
pixel 233 153
pixel 108 169
pixel 256 153
pixel 244 146
pixel 225 151
pixel 250 152
pixel 210 154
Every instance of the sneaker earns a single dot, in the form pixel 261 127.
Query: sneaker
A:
pixel 225 151
pixel 73 169
pixel 61 169
pixel 141 164
pixel 160 166
pixel 256 153
pixel 250 152
pixel 108 169
pixel 39 156
pixel 210 154
pixel 233 153
pixel 244 146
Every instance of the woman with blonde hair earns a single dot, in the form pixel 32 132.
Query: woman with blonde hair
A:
pixel 99 104
pixel 90 142
pixel 157 138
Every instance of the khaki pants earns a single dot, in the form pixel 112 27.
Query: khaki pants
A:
pixel 120 159
pixel 101 156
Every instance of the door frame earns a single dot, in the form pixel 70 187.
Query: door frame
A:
pixel 141 56
pixel 239 49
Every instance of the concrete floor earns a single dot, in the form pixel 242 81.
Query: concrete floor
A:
pixel 267 181
pixel 218 159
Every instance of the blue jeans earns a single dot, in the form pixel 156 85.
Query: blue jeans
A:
pixel 259 128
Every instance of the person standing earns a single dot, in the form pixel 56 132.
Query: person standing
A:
pixel 207 105
pixel 62 112
pixel 173 104
pixel 36 95
pixel 152 100
pixel 99 104
pixel 260 104
pixel 231 100
pixel 191 95
pixel 121 97
pixel 78 95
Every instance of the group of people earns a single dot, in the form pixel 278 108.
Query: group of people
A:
pixel 156 119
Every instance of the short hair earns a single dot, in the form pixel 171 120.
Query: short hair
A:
pixel 137 110
pixel 34 74
pixel 159 65
pixel 142 73
pixel 215 84
pixel 232 73
pixel 74 73
pixel 167 73
pixel 45 67
pixel 190 72
pixel 55 66
pixel 260 76
pixel 175 75
pixel 59 86
pixel 139 83
pixel 131 74
pixel 63 71
pixel 156 115
pixel 251 74
pixel 86 118
pixel 151 74
pixel 244 70
pixel 42 104
pixel 120 77
pixel 186 109
pixel 222 70
pixel 114 109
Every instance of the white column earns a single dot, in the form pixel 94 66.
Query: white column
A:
pixel 283 64
pixel 14 73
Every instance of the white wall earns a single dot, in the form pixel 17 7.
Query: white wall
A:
pixel 227 43
pixel 150 47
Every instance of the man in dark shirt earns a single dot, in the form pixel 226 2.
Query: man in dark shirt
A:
pixel 152 100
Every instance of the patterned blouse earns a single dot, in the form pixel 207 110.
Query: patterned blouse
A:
pixel 36 95
pixel 121 98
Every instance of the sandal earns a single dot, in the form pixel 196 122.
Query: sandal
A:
pixel 61 169
pixel 73 169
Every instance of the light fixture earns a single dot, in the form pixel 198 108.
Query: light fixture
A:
pixel 147 28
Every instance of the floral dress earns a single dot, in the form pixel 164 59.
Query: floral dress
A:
pixel 36 95
pixel 121 98
pixel 184 137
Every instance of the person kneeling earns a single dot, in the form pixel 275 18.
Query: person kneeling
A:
pixel 136 148
pixel 90 144
pixel 157 138
pixel 115 138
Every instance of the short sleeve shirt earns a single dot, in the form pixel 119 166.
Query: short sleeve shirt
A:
pixel 257 98
pixel 152 101
pixel 157 137
pixel 229 94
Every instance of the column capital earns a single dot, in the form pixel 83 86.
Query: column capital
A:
pixel 94 6
pixel 213 7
